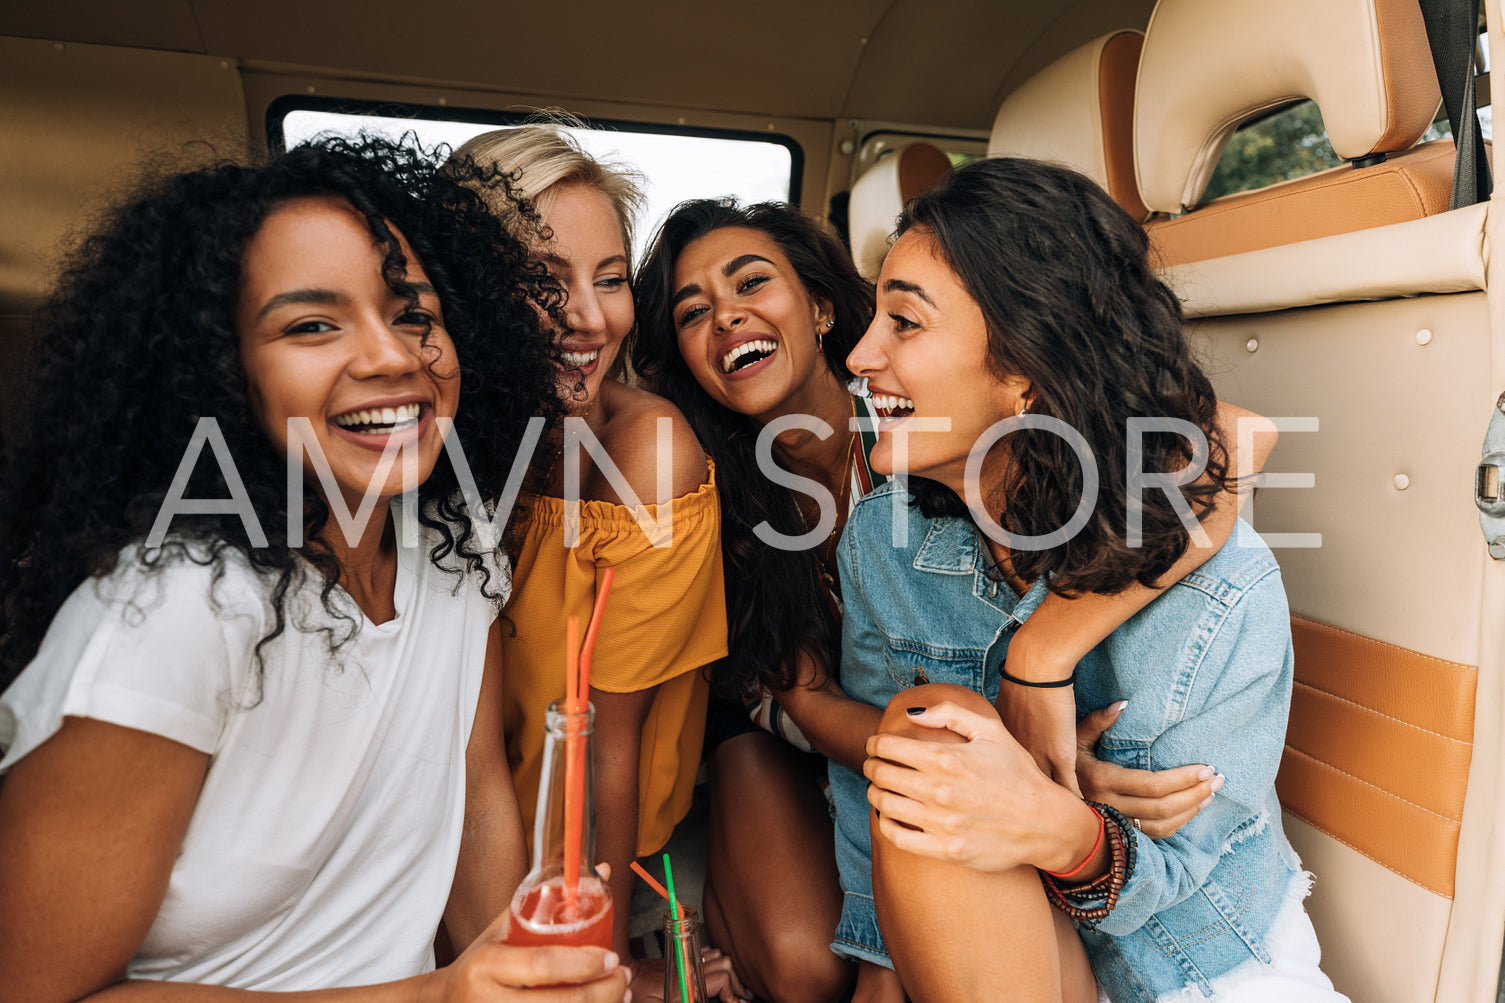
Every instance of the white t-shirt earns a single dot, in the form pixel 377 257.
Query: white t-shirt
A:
pixel 323 844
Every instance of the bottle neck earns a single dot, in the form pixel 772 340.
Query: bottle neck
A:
pixel 682 944
pixel 565 792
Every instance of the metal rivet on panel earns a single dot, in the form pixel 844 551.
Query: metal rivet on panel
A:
pixel 224 64
pixel 1252 345
pixel 1402 482
pixel 1424 337
pixel 847 147
pixel 309 88
pixel 443 102
pixel 681 120
pixel 57 46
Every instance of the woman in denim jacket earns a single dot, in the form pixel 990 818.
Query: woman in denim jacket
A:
pixel 1035 359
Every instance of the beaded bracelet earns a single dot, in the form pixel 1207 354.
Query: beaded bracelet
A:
pixel 1102 826
pixel 1088 903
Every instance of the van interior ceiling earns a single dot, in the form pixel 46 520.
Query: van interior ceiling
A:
pixel 1350 302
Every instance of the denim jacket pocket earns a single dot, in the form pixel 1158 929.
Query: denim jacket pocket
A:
pixel 914 663
pixel 1231 894
pixel 1211 932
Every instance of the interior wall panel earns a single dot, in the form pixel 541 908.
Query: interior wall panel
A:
pixel 78 120
pixel 1400 392
pixel 1400 564
pixel 1381 935
pixel 786 57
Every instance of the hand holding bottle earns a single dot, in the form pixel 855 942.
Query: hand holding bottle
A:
pixel 495 971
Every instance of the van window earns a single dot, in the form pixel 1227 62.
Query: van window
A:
pixel 676 164
pixel 876 145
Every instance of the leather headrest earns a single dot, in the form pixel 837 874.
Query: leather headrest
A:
pixel 1209 65
pixel 1079 111
pixel 879 196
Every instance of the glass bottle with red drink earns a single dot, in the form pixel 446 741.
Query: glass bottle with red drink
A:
pixel 548 908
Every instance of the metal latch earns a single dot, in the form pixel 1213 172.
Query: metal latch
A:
pixel 1489 482
pixel 1487 485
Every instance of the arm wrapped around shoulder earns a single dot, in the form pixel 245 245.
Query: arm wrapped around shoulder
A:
pixel 1214 664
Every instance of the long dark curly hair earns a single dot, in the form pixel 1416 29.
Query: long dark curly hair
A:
pixel 138 342
pixel 776 606
pixel 1063 279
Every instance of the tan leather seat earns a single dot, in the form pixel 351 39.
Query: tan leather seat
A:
pixel 879 196
pixel 1375 778
pixel 1210 65
pixel 1079 111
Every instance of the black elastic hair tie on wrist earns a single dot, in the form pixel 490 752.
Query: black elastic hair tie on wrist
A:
pixel 1044 684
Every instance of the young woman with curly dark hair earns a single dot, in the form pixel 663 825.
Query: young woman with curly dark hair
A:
pixel 1018 303
pixel 255 744
pixel 746 316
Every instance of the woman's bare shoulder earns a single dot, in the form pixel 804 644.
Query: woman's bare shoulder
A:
pixel 631 437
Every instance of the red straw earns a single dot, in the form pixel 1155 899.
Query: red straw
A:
pixel 574 762
pixel 577 674
pixel 679 910
pixel 589 648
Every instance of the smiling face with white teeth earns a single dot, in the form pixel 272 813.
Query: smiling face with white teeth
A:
pixel 926 355
pixel 747 325
pixel 323 337
pixel 589 259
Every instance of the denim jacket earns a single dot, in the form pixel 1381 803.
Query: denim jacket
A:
pixel 1207 671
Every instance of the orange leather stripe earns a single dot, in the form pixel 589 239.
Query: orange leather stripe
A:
pixel 1403 839
pixel 921 165
pixel 1407 71
pixel 1428 692
pixel 1117 75
pixel 1408 186
pixel 1378 749
pixel 1365 743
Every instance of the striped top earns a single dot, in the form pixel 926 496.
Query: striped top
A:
pixel 762 708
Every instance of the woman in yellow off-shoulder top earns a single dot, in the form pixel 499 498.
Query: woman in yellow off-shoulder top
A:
pixel 666 618
pixel 667 614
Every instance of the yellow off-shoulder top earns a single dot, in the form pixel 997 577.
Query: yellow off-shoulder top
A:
pixel 665 619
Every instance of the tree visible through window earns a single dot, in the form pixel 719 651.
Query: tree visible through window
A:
pixel 1289 144
pixel 1292 143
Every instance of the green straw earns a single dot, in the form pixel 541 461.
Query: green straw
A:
pixel 679 946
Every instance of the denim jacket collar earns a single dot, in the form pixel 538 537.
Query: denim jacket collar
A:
pixel 955 547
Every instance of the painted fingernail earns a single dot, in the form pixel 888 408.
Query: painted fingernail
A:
pixel 1217 784
pixel 915 711
pixel 1207 773
pixel 1118 708
pixel 1204 804
pixel 611 960
pixel 627 996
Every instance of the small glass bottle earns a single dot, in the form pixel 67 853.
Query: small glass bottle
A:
pixel 542 910
pixel 686 933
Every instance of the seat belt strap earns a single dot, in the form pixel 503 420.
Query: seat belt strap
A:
pixel 1453 33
